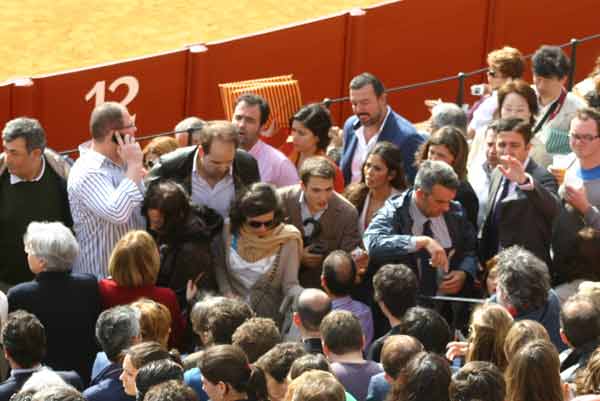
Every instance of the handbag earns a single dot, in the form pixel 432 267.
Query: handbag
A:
pixel 558 142
pixel 266 299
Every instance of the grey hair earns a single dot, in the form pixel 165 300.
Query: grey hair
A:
pixel 52 242
pixel 116 329
pixel 523 279
pixel 435 172
pixel 105 118
pixel 194 124
pixel 29 129
pixel 444 114
pixel 45 377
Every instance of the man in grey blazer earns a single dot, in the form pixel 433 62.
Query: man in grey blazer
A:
pixel 326 220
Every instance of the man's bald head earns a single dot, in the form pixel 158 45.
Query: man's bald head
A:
pixel 313 305
pixel 339 273
pixel 580 320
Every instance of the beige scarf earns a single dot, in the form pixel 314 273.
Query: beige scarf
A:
pixel 253 248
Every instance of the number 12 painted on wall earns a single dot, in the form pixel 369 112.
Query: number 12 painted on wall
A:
pixel 99 90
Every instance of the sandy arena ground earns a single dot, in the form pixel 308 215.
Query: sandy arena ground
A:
pixel 49 36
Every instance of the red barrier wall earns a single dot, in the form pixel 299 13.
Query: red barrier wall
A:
pixel 403 42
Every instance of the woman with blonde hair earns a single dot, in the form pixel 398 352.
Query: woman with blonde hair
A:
pixel 158 147
pixel 155 321
pixel 521 333
pixel 533 373
pixel 133 268
pixel 490 324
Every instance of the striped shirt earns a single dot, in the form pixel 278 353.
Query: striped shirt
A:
pixel 105 205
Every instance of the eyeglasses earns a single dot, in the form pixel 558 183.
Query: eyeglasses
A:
pixel 582 137
pixel 259 224
pixel 492 73
pixel 132 125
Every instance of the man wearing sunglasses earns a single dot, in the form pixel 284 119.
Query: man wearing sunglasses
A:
pixel 105 187
pixel 581 188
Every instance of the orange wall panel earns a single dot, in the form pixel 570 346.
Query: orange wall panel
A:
pixel 313 52
pixel 153 88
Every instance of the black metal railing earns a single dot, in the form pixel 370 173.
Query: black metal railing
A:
pixel 460 77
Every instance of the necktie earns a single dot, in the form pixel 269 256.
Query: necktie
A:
pixel 428 274
pixel 495 234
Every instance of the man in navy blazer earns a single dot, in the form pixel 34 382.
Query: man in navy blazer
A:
pixel 24 341
pixel 375 121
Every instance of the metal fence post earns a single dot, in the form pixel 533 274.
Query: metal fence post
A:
pixel 460 97
pixel 574 43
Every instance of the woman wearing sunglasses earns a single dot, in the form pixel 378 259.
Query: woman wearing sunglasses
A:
pixel 504 65
pixel 263 253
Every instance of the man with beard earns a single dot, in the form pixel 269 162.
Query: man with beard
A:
pixel 212 172
pixel 375 121
pixel 250 116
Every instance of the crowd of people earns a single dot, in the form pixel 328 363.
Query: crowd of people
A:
pixel 452 260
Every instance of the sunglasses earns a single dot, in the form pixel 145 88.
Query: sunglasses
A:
pixel 259 224
pixel 492 73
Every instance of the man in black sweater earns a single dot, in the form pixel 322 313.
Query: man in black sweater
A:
pixel 32 188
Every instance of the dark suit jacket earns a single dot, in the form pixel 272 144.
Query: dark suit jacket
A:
pixel 527 218
pixel 339 227
pixel 397 130
pixel 68 305
pixel 177 166
pixel 16 380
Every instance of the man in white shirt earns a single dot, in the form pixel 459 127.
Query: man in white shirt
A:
pixel 250 115
pixel 105 187
pixel 375 121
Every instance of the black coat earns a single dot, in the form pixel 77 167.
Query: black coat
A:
pixel 177 166
pixel 14 383
pixel 68 305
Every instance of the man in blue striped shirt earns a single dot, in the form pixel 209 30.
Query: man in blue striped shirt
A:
pixel 105 187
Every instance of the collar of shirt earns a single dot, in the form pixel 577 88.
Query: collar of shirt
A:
pixel 15 180
pixel 198 154
pixel 438 224
pixel 360 132
pixel 337 303
pixel 95 159
pixel 305 211
pixel 257 149
pixel 17 371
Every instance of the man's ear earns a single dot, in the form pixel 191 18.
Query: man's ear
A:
pixel 564 338
pixel 37 152
pixel 325 348
pixel 296 319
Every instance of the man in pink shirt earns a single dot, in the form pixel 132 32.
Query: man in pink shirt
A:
pixel 250 115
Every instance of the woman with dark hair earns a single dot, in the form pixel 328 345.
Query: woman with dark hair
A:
pixel 448 144
pixel 533 373
pixel 140 355
pixel 426 377
pixel 382 177
pixel 310 133
pixel 189 238
pixel 227 375
pixel 263 253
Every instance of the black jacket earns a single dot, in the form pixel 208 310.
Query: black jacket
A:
pixel 177 166
pixel 14 383
pixel 68 305
pixel 196 248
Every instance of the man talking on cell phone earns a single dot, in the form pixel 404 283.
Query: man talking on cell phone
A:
pixel 105 187
pixel 326 220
